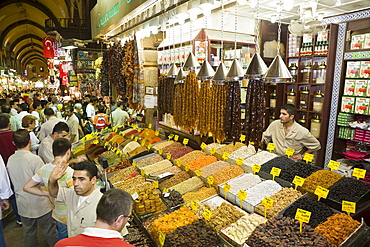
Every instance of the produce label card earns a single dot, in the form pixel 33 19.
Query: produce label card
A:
pixel 353 69
pixel 349 207
pixel 358 42
pixel 362 106
pixel 348 104
pixel 360 88
pixel 367 41
pixel 349 87
pixel 365 69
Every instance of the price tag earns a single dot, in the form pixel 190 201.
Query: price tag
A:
pixel 198 172
pixel 178 163
pixel 162 238
pixel 134 163
pixel 106 144
pixel 114 150
pixel 168 156
pixel 143 143
pixel 227 188
pixel 242 195
pixel 308 157
pixel 302 216
pixel 212 151
pixel 119 152
pixel 187 168
pixel 275 172
pixel 321 192
pixel 132 137
pixel 239 161
pixel 142 172
pixel 135 126
pixel 271 147
pixel 207 214
pixel 139 129
pixel 147 132
pixel 176 138
pixel 210 180
pixel 194 205
pixel 349 207
pixel 155 184
pixel 150 146
pixel 160 151
pixel 170 136
pixel 333 165
pixel 359 173
pixel 289 152
pixel 136 138
pixel 156 133
pixel 256 168
pixel 121 133
pixel 185 141
pixel 150 126
pixel 165 190
pixel 298 181
pixel 242 138
pixel 225 156
pixel 203 146
pixel 267 202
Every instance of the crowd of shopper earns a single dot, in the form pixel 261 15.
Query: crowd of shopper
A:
pixel 48 187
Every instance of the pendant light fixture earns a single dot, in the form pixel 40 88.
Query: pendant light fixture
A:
pixel 206 71
pixel 191 62
pixel 257 67
pixel 180 78
pixel 236 72
pixel 278 71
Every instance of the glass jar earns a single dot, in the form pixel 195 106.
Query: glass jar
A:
pixel 321 73
pixel 306 73
pixel 316 126
pixel 304 98
pixel 318 101
pixel 273 99
pixel 302 120
pixel 291 97
pixel 293 71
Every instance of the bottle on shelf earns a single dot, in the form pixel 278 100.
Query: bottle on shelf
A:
pixel 291 97
pixel 321 73
pixel 302 120
pixel 315 126
pixel 273 99
pixel 304 98
pixel 318 101
pixel 293 71
pixel 306 73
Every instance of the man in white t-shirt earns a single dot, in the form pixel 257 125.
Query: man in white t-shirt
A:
pixel 90 108
pixel 119 116
pixel 5 193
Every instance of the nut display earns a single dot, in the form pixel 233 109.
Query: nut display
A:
pixel 191 156
pixel 266 188
pixel 149 161
pixel 172 147
pixel 156 167
pixel 162 145
pixel 176 179
pixel 323 178
pixel 172 198
pixel 201 162
pixel 228 149
pixel 259 159
pixel 148 202
pixel 337 228
pixel 243 152
pixel 300 169
pixel 319 211
pixel 227 173
pixel 284 231
pixel 188 185
pixel 214 145
pixel 243 228
pixel 243 182
pixel 196 234
pixel 177 153
pixel 121 165
pixel 202 194
pixel 172 169
pixel 347 189
pixel 136 236
pixel 214 168
pixel 132 182
pixel 281 162
pixel 122 175
pixel 282 199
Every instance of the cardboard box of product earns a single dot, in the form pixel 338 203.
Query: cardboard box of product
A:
pixel 349 87
pixel 358 42
pixel 367 41
pixel 362 106
pixel 361 88
pixel 353 69
pixel 365 69
pixel 348 104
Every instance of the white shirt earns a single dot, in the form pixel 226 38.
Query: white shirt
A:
pixel 22 114
pixel 35 143
pixel 72 122
pixel 37 116
pixel 101 233
pixel 14 112
pixel 90 111
pixel 46 149
pixel 5 191
pixel 118 117
pixel 48 126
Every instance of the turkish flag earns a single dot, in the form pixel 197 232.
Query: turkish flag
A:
pixel 48 46
pixel 63 74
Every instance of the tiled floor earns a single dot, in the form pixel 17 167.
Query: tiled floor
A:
pixel 14 236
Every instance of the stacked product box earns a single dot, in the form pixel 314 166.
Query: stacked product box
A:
pixel 348 104
pixel 358 42
pixel 361 88
pixel 349 87
pixel 359 135
pixel 365 69
pixel 346 133
pixel 367 136
pixel 362 105
pixel 344 119
pixel 293 45
pixel 353 69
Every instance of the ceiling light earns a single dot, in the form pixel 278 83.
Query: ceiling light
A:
pixel 338 3
pixel 288 5
pixel 206 6
pixel 273 18
pixel 194 10
pixel 253 3
pixel 242 2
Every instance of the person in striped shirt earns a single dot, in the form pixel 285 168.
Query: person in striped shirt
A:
pixel 38 184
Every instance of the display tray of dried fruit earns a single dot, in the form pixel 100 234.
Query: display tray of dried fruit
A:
pixel 143 157
pixel 280 181
pixel 359 237
pixel 142 154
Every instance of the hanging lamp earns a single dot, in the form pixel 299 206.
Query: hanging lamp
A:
pixel 191 62
pixel 235 72
pixel 173 71
pixel 180 78
pixel 206 71
pixel 278 71
pixel 257 67
pixel 220 74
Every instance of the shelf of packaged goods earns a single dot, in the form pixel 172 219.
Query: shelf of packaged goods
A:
pixel 315 112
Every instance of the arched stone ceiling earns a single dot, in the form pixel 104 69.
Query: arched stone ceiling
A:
pixel 27 46
pixel 30 57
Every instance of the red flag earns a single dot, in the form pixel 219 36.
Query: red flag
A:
pixel 48 46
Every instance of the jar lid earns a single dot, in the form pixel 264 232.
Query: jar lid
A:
pixel 291 93
pixel 322 66
pixel 308 66
pixel 316 119
pixel 305 91
pixel 293 66
pixel 318 94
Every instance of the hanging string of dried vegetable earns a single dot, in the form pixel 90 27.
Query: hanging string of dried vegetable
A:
pixel 166 90
pixel 204 114
pixel 190 101
pixel 254 111
pixel 104 75
pixel 178 104
pixel 128 70
pixel 232 112
pixel 117 78
pixel 218 112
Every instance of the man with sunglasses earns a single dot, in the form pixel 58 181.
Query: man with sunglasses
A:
pixel 113 212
